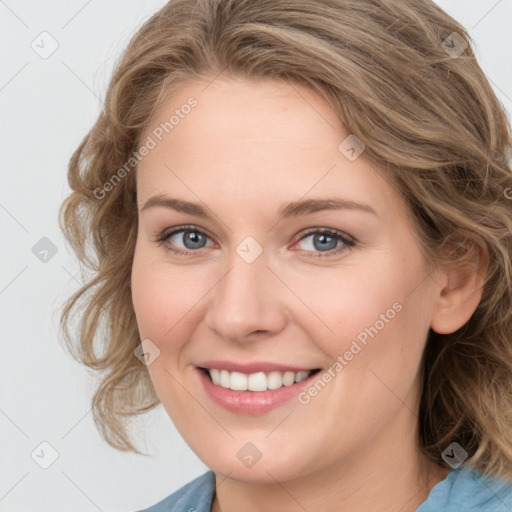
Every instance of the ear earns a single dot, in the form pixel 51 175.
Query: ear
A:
pixel 459 293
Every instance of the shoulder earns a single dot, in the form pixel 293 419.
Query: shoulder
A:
pixel 196 496
pixel 470 490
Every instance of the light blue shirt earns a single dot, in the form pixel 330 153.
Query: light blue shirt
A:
pixel 463 490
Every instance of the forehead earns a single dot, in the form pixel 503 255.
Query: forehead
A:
pixel 251 139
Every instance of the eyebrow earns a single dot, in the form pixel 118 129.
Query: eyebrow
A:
pixel 294 209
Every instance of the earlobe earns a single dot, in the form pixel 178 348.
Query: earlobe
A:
pixel 458 297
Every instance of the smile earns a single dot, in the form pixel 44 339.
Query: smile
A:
pixel 255 388
pixel 259 381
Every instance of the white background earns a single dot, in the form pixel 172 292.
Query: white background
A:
pixel 47 107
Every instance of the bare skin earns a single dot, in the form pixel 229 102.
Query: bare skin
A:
pixel 247 148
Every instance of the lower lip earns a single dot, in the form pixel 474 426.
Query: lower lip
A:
pixel 251 402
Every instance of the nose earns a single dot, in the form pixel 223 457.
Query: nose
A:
pixel 248 303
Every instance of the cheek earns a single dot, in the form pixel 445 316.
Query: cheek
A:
pixel 166 302
pixel 373 317
pixel 376 348
pixel 166 299
pixel 345 306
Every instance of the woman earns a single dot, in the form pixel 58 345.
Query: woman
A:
pixel 302 239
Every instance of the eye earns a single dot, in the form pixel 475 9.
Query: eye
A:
pixel 319 242
pixel 325 242
pixel 191 239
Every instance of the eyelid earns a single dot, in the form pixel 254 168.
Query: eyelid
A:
pixel 330 231
pixel 166 233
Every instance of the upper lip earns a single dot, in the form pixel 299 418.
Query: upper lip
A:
pixel 248 368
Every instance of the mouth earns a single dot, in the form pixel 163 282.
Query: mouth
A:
pixel 258 381
pixel 253 388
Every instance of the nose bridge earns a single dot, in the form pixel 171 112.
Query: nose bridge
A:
pixel 247 298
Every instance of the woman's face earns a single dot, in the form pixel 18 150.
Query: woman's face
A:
pixel 274 279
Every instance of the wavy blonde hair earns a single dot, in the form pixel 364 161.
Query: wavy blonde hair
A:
pixel 430 122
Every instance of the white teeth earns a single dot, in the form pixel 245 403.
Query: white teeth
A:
pixel 300 376
pixel 288 378
pixel 259 381
pixel 238 381
pixel 224 379
pixel 274 380
pixel 215 375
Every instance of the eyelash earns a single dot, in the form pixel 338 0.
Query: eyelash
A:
pixel 348 242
